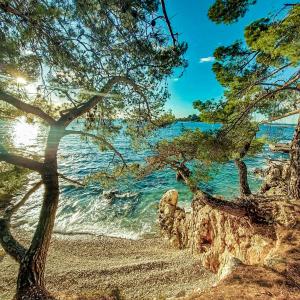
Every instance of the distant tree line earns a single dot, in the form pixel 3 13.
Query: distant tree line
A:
pixel 189 118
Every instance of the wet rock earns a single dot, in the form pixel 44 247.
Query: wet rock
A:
pixel 170 197
pixel 259 172
pixel 280 147
pixel 276 178
pixel 167 209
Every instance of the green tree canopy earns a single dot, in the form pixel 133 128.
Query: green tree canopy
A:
pixel 74 49
pixel 229 11
pixel 260 75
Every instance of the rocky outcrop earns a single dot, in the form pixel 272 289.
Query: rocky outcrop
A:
pixel 172 220
pixel 277 277
pixel 224 240
pixel 221 240
pixel 276 178
pixel 252 243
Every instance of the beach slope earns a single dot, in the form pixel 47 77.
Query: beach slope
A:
pixel 87 267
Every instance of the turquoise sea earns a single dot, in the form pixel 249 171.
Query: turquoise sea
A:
pixel 129 209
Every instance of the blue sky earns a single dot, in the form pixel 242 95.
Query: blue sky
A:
pixel 189 19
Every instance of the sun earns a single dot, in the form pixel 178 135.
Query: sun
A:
pixel 21 80
pixel 30 88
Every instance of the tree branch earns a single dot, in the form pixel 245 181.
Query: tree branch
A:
pixel 293 88
pixel 99 138
pixel 259 99
pixel 9 243
pixel 163 5
pixel 249 61
pixel 70 180
pixel 292 4
pixel 291 113
pixel 21 162
pixel 76 112
pixel 25 107
pixel 263 78
pixel 13 209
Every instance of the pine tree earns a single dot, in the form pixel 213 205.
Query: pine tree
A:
pixel 261 74
pixel 102 60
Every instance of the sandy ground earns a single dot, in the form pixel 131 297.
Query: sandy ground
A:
pixel 93 266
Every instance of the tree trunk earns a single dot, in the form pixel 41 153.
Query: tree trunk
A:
pixel 232 208
pixel 244 186
pixel 183 173
pixel 294 183
pixel 31 277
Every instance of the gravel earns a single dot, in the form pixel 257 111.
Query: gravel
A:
pixel 92 266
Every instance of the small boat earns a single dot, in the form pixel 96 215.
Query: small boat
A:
pixel 281 147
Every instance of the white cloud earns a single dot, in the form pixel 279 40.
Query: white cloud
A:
pixel 207 59
pixel 175 79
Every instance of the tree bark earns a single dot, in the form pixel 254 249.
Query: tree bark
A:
pixel 232 208
pixel 31 277
pixel 9 243
pixel 239 209
pixel 294 182
pixel 183 173
pixel 244 186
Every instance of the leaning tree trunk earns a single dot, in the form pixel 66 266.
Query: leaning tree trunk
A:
pixel 244 186
pixel 31 277
pixel 294 182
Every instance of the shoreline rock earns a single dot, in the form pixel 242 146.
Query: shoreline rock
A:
pixel 219 240
pixel 258 259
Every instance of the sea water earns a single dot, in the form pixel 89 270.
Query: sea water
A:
pixel 129 209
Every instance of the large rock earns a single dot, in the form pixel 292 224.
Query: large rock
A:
pixel 254 260
pixel 218 238
pixel 172 219
pixel 276 178
pixel 277 277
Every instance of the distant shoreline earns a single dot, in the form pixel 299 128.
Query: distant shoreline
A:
pixel 267 124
